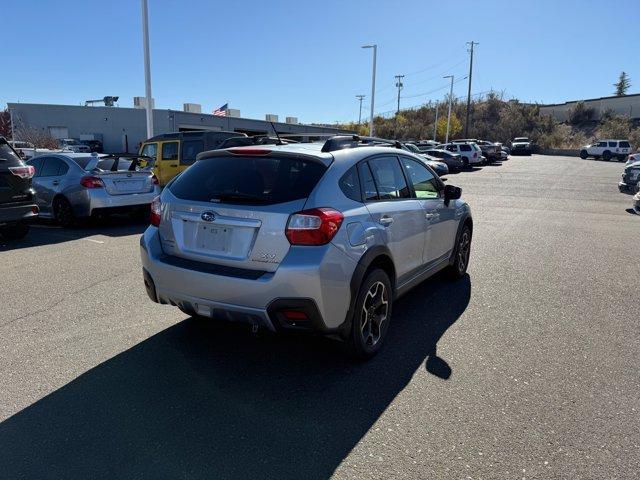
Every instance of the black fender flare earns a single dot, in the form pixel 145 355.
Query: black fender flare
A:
pixel 357 278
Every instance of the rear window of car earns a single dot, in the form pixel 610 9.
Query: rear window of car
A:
pixel 82 161
pixel 248 180
pixel 465 148
pixel 8 157
pixel 624 145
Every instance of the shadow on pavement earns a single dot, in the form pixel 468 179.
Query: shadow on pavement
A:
pixel 45 232
pixel 202 400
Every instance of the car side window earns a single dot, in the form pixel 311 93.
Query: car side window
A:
pixel 37 164
pixel 50 167
pixel 190 148
pixel 452 148
pixel 389 178
pixel 423 181
pixel 613 144
pixel 150 150
pixel 64 168
pixel 465 148
pixel 350 185
pixel 369 190
pixel 170 151
pixel 602 144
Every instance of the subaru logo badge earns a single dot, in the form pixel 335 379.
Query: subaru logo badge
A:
pixel 208 216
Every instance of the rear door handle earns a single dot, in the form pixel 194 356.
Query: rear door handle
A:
pixel 430 216
pixel 386 221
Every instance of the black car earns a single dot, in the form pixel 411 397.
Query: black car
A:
pixel 94 145
pixel 17 199
pixel 453 160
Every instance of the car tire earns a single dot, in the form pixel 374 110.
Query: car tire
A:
pixel 465 163
pixel 15 232
pixel 622 158
pixel 606 155
pixel 371 316
pixel 63 212
pixel 583 154
pixel 461 255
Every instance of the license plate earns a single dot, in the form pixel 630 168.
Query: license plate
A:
pixel 129 186
pixel 216 239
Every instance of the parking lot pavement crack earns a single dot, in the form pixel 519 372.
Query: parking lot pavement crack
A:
pixel 65 297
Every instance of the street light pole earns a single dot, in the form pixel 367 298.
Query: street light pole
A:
pixel 147 68
pixel 373 87
pixel 360 97
pixel 446 140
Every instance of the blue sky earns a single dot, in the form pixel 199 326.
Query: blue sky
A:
pixel 303 58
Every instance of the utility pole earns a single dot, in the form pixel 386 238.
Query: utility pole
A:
pixel 147 68
pixel 466 123
pixel 435 125
pixel 360 97
pixel 446 140
pixel 373 87
pixel 399 86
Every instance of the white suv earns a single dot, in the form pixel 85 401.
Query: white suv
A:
pixel 607 149
pixel 470 152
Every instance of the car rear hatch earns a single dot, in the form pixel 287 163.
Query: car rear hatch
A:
pixel 15 182
pixel 232 208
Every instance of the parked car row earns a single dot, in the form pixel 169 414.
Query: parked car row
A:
pixel 467 150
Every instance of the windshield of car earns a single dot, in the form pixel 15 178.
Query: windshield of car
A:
pixel 248 180
pixel 412 147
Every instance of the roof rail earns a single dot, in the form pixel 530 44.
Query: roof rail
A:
pixel 338 142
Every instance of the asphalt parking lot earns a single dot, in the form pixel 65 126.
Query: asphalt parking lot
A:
pixel 526 368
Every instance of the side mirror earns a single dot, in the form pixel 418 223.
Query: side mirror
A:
pixel 451 193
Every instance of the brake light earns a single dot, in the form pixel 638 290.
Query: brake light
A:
pixel 91 182
pixel 26 171
pixel 313 227
pixel 249 151
pixel 475 154
pixel 295 315
pixel 156 212
pixel 154 179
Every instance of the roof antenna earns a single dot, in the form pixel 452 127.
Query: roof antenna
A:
pixel 276 132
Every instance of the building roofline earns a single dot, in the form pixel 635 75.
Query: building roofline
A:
pixel 589 100
pixel 181 112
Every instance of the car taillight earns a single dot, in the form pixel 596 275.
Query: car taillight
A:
pixel 156 212
pixel 313 227
pixel 91 182
pixel 154 179
pixel 26 171
pixel 475 154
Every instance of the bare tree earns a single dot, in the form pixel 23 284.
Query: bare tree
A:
pixel 39 137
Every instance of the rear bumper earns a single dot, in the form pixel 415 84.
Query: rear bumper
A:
pixel 311 279
pixel 86 201
pixel 20 213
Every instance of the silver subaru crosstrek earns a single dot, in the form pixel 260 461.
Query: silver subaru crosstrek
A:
pixel 318 237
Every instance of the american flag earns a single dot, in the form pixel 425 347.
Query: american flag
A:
pixel 222 111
